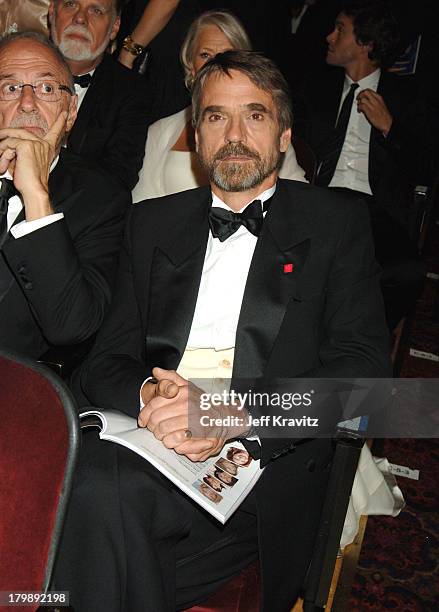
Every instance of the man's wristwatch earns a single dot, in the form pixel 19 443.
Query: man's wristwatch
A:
pixel 132 47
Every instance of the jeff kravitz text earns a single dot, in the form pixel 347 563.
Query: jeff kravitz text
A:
pixel 263 421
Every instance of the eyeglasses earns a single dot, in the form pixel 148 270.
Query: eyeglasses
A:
pixel 47 90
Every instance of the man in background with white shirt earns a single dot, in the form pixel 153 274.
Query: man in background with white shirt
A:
pixel 370 135
pixel 60 219
pixel 113 104
pixel 250 278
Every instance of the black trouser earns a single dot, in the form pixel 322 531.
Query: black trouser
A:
pixel 403 273
pixel 133 542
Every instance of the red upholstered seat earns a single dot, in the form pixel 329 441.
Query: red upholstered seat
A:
pixel 240 594
pixel 38 448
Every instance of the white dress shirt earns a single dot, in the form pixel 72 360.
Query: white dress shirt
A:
pixel 15 206
pixel 81 91
pixel 223 279
pixel 352 169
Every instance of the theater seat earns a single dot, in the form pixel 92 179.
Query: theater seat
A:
pixel 39 437
pixel 240 594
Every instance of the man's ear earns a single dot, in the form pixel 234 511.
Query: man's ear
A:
pixel 197 140
pixel 285 140
pixel 73 111
pixel 366 48
pixel 115 28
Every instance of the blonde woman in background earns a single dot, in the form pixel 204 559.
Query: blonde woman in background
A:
pixel 171 164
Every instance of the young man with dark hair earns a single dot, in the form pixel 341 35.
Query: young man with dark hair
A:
pixel 113 105
pixel 375 27
pixel 369 132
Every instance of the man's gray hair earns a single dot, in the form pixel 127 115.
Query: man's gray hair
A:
pixel 117 5
pixel 260 70
pixel 43 40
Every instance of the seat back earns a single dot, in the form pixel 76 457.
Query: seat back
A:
pixel 423 208
pixel 318 581
pixel 39 438
pixel 233 597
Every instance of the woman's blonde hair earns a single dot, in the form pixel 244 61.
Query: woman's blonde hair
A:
pixel 229 25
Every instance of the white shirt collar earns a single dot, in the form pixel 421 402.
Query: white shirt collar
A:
pixel 82 91
pixel 90 72
pixel 264 196
pixel 368 82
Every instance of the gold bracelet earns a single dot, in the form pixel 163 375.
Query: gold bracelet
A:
pixel 132 47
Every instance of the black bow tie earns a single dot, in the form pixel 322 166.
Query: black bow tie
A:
pixel 83 80
pixel 223 223
pixel 7 190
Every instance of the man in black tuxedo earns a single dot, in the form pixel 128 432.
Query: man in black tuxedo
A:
pixel 285 293
pixel 370 134
pixel 113 105
pixel 61 220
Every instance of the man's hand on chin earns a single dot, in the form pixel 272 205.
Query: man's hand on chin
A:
pixel 28 159
pixel 172 413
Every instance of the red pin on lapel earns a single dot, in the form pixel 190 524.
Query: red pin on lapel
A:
pixel 288 267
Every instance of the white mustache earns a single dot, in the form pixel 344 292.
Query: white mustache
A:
pixel 78 29
pixel 23 121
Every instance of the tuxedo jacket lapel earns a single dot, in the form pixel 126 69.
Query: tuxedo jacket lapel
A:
pixel 332 95
pixel 176 269
pixel 377 147
pixel 7 279
pixel 273 281
pixel 175 275
pixel 97 89
pixel 62 194
pixel 330 90
pixel 20 217
pixel 63 189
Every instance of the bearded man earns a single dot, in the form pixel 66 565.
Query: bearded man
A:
pixel 113 105
pixel 253 277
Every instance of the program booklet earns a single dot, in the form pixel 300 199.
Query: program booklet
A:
pixel 218 485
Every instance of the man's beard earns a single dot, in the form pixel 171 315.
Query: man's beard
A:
pixel 78 50
pixel 239 176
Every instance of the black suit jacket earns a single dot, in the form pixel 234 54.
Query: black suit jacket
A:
pixel 324 319
pixel 56 282
pixel 396 163
pixel 112 121
pixel 307 47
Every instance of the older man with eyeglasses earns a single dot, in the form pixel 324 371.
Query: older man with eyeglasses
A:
pixel 60 219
